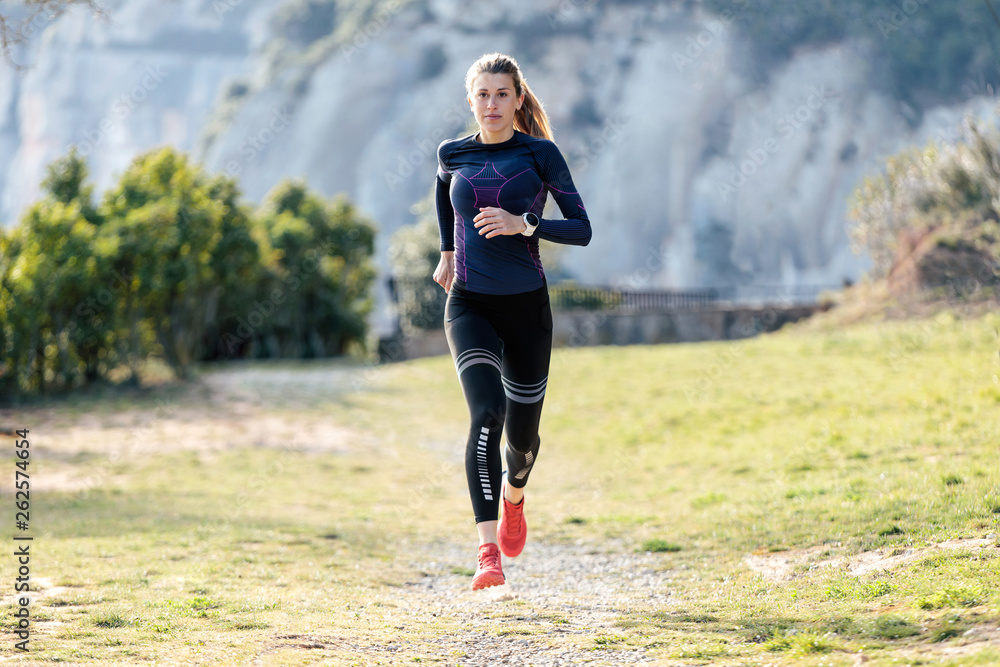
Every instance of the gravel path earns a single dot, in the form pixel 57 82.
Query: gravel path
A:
pixel 559 607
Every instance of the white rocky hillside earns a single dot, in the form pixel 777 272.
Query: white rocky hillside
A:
pixel 692 173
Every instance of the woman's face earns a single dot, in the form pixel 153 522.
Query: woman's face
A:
pixel 494 101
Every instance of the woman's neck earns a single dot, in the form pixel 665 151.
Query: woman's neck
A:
pixel 495 137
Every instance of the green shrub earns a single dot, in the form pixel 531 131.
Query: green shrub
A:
pixel 173 264
pixel 320 272
pixel 950 189
pixel 57 306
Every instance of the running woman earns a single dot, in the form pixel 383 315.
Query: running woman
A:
pixel 491 190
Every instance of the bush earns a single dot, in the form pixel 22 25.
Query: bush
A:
pixel 320 274
pixel 172 264
pixel 923 190
pixel 567 295
pixel 182 242
pixel 56 315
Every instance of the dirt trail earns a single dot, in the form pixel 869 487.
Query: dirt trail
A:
pixel 222 409
pixel 572 597
pixel 561 609
pixel 788 565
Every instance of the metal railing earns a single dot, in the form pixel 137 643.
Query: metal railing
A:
pixel 585 297
pixel 571 297
pixel 416 299
pixel 792 295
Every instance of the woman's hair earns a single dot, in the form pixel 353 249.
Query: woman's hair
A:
pixel 530 118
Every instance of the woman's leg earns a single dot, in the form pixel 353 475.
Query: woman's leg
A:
pixel 476 349
pixel 527 350
pixel 527 347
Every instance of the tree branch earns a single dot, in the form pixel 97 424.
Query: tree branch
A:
pixel 16 31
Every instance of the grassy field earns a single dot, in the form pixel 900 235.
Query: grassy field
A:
pixel 806 497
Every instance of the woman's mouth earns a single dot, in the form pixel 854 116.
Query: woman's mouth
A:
pixel 492 116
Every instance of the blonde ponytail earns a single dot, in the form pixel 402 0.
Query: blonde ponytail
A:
pixel 531 117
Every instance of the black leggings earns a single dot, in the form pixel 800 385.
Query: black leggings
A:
pixel 501 346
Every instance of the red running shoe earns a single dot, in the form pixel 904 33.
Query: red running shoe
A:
pixel 489 572
pixel 512 529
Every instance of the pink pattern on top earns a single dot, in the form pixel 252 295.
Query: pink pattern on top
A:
pixel 489 195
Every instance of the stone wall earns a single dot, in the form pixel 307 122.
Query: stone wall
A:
pixel 584 328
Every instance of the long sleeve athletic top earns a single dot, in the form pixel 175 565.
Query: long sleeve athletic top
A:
pixel 514 175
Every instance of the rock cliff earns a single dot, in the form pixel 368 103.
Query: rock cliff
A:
pixel 694 172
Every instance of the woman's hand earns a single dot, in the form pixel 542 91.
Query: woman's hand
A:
pixel 445 271
pixel 494 221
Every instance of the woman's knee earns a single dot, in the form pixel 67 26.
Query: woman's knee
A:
pixel 487 413
pixel 522 442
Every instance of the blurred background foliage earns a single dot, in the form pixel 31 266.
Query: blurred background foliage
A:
pixel 944 196
pixel 414 252
pixel 172 264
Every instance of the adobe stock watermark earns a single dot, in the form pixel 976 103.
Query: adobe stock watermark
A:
pixel 394 349
pixel 33 25
pixel 611 132
pixel 698 389
pixel 898 17
pixel 566 10
pixel 611 471
pixel 785 128
pixel 974 86
pixel 42 16
pixel 443 477
pixel 165 409
pixel 714 28
pixel 223 7
pixel 122 108
pixel 425 149
pixel 262 310
pixel 255 144
pixel 258 485
pixel 364 35
pixel 905 349
pixel 94 306
pixel 656 260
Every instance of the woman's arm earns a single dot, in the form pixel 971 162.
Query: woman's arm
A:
pixel 445 211
pixel 575 228
pixel 444 274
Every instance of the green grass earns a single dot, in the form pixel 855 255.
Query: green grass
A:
pixel 658 545
pixel 953 596
pixel 112 619
pixel 877 439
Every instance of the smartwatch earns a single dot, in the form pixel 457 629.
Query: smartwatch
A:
pixel 530 223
